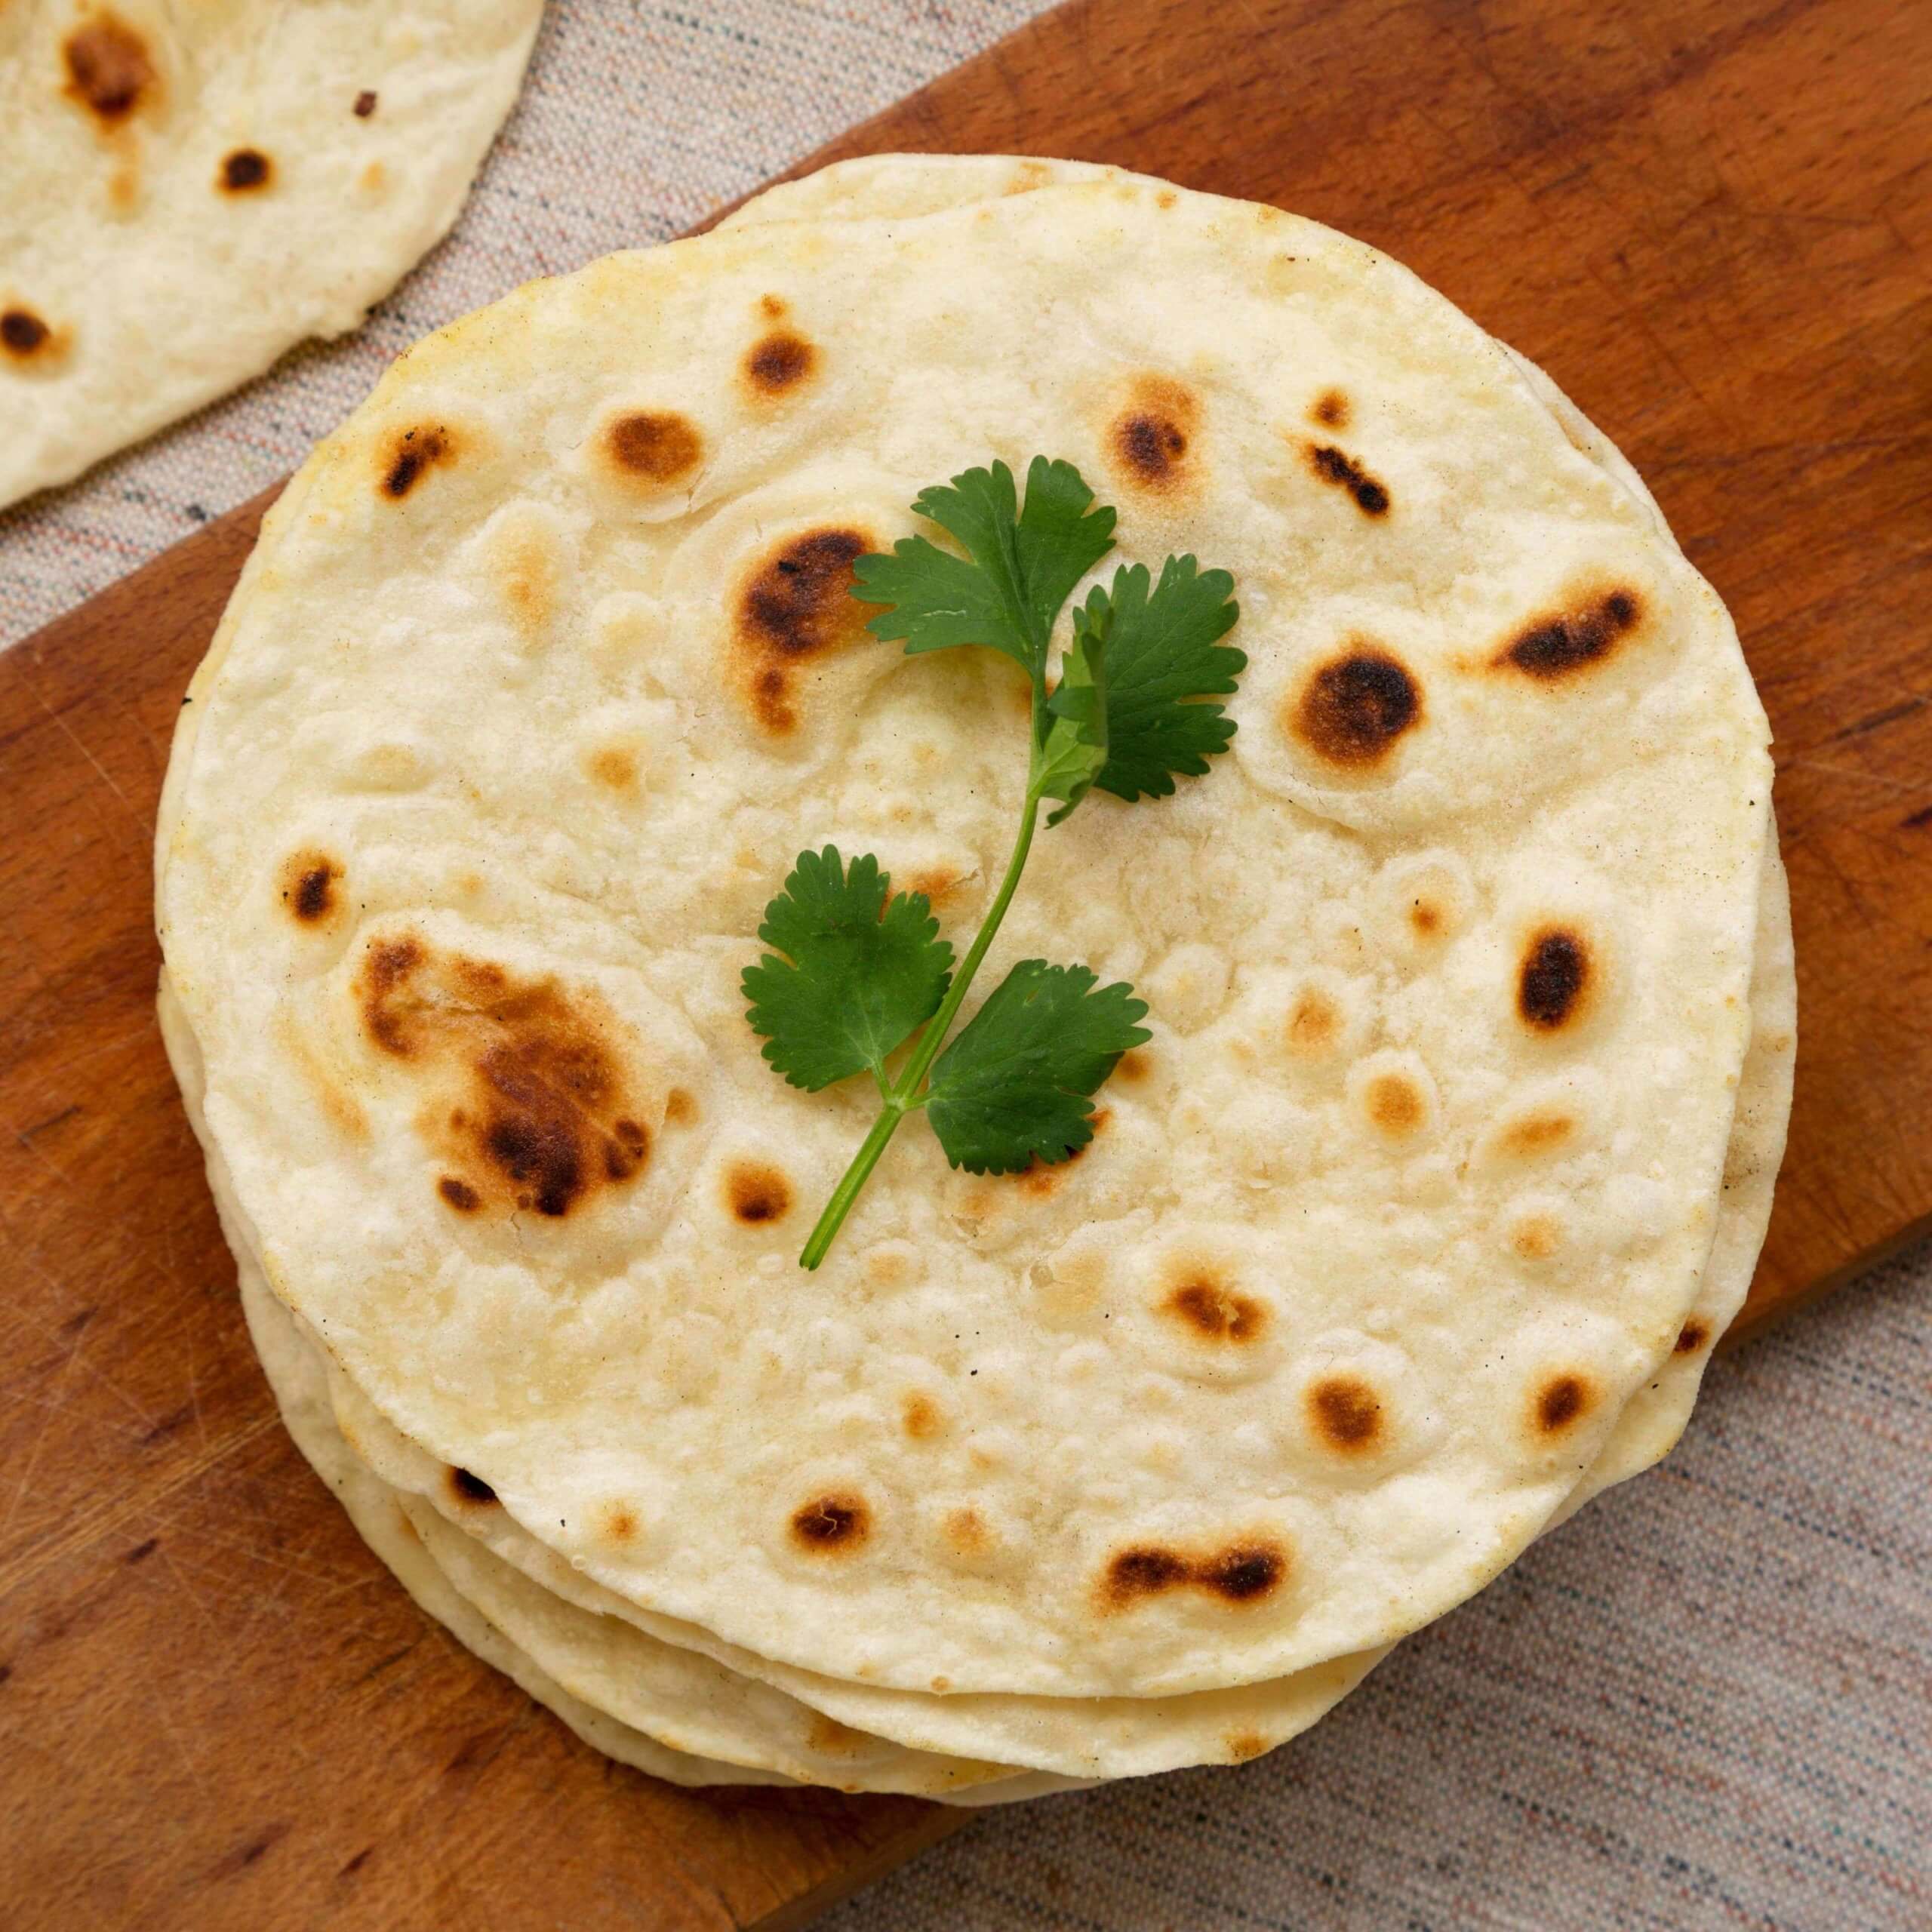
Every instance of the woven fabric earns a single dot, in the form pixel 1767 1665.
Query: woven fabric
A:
pixel 1706 1702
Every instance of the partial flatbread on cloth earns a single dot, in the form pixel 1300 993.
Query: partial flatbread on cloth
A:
pixel 186 191
pixel 496 758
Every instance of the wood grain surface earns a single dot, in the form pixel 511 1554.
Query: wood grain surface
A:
pixel 1710 221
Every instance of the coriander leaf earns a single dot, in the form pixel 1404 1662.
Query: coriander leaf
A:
pixel 1075 747
pixel 1019 567
pixel 1012 1086
pixel 860 972
pixel 1061 538
pixel 1163 655
pixel 937 601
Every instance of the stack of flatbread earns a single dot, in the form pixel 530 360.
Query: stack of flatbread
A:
pixel 1469 970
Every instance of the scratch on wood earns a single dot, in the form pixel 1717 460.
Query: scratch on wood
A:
pixel 1892 713
pixel 56 1396
pixel 168 1424
pixel 84 1527
pixel 381 1664
pixel 254 1850
pixel 68 731
pixel 1851 771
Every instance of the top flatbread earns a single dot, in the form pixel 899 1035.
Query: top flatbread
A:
pixel 1353 1285
pixel 903 185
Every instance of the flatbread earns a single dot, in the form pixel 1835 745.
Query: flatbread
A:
pixel 900 186
pixel 186 191
pixel 1122 1736
pixel 1100 1737
pixel 298 1377
pixel 1748 1185
pixel 1347 1127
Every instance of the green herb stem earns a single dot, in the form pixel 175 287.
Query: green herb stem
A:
pixel 856 1176
pixel 902 1097
pixel 933 1038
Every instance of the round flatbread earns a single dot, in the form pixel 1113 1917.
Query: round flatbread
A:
pixel 665 1672
pixel 1282 1368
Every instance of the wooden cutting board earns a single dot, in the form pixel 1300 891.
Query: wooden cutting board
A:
pixel 1710 221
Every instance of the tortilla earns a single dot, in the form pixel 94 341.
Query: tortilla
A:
pixel 898 187
pixel 384 1525
pixel 1353 1144
pixel 1101 1738
pixel 187 192
pixel 1089 1738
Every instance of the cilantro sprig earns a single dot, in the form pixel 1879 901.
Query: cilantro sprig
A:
pixel 856 970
